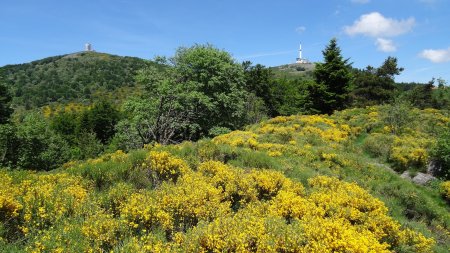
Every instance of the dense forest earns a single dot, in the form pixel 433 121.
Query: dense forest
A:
pixel 72 77
pixel 119 145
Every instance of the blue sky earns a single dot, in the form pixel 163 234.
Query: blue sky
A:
pixel 417 32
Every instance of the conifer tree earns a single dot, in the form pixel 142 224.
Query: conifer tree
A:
pixel 335 77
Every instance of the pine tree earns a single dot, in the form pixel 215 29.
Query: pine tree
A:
pixel 335 76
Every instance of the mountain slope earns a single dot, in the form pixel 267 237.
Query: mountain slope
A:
pixel 294 71
pixel 290 184
pixel 69 77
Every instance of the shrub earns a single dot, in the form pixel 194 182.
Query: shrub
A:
pixel 378 145
pixel 441 155
pixel 445 190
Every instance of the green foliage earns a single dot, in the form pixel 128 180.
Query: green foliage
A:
pixel 5 100
pixel 441 96
pixel 39 147
pixel 421 96
pixel 213 74
pixel 294 96
pixel 378 145
pixel 87 146
pixel 215 131
pixel 69 77
pixel 374 86
pixel 398 115
pixel 65 124
pixel 334 74
pixel 101 120
pixel 8 144
pixel 199 89
pixel 259 80
pixel 441 155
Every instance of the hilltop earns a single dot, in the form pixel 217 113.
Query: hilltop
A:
pixel 294 70
pixel 71 77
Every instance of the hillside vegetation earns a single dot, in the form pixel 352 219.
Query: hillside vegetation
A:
pixel 110 154
pixel 289 184
pixel 72 77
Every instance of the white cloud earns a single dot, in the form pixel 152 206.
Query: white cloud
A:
pixel 385 45
pixel 436 55
pixel 300 29
pixel 361 1
pixel 376 25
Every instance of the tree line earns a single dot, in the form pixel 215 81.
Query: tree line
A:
pixel 199 92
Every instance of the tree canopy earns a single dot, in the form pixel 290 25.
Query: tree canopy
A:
pixel 374 86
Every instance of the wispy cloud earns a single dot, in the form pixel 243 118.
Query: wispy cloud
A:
pixel 385 45
pixel 265 54
pixel 300 29
pixel 436 55
pixel 424 69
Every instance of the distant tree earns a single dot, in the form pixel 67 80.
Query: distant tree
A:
pixel 39 147
pixel 73 77
pixel 5 104
pixel 421 96
pixel 65 124
pixel 104 117
pixel 335 76
pixel 8 145
pixel 101 120
pixel 292 96
pixel 259 80
pixel 375 85
pixel 87 146
pixel 441 95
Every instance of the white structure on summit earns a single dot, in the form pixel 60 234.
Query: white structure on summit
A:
pixel 88 47
pixel 300 59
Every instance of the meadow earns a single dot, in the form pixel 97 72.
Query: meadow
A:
pixel 301 183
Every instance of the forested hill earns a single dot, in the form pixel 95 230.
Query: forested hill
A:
pixel 69 77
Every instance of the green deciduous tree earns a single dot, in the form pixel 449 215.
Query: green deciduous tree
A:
pixel 100 119
pixel 199 89
pixel 214 74
pixel 39 147
pixel 335 76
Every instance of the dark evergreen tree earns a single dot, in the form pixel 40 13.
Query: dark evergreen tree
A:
pixel 375 85
pixel 335 76
pixel 258 80
pixel 5 104
pixel 421 96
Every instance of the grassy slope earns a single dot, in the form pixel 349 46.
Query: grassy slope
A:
pixel 294 71
pixel 301 147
